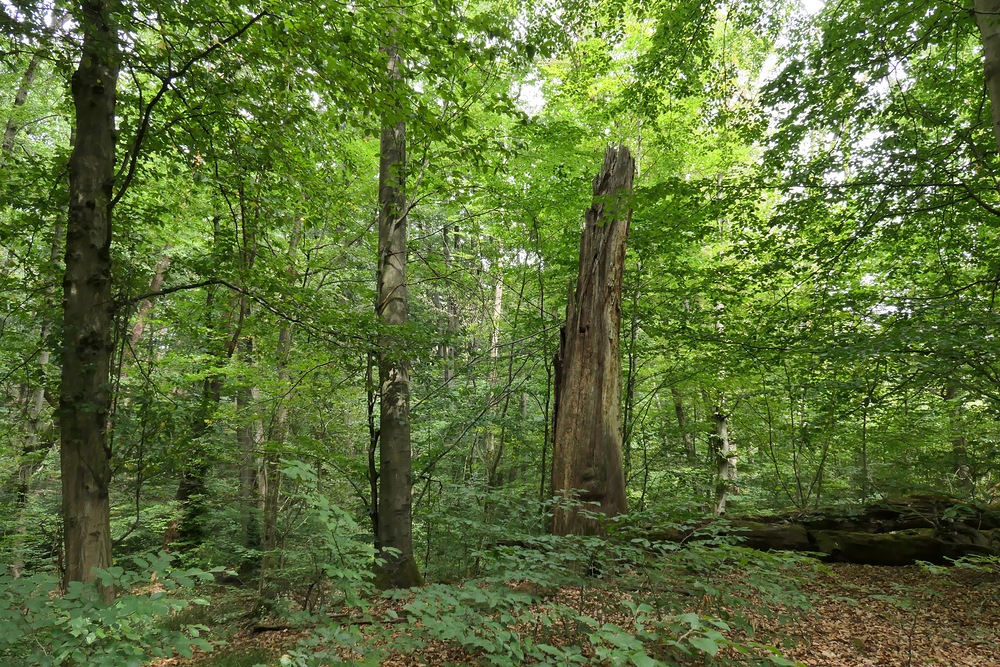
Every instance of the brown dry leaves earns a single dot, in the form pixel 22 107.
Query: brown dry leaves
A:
pixel 888 617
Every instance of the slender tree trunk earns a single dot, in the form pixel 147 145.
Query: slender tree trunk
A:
pixel 40 430
pixel 725 458
pixel 494 477
pixel 24 87
pixel 85 396
pixel 146 305
pixel 20 97
pixel 249 436
pixel 550 361
pixel 492 456
pixel 373 437
pixel 630 378
pixel 444 302
pixel 398 568
pixel 586 451
pixel 987 13
pixel 864 454
pixel 687 437
pixel 270 472
pixel 188 529
pixel 955 406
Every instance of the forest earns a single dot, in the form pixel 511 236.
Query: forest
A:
pixel 507 332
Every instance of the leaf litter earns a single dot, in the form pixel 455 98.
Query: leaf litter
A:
pixel 862 616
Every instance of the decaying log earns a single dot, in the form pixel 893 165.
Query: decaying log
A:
pixel 894 532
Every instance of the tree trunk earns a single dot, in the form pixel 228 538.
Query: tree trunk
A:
pixel 85 396
pixel 398 568
pixel 725 460
pixel 491 452
pixel 687 438
pixel 587 438
pixel 955 406
pixel 628 421
pixel 249 435
pixel 146 305
pixel 894 532
pixel 24 87
pixel 40 429
pixel 987 13
pixel 20 97
pixel 188 529
pixel 270 470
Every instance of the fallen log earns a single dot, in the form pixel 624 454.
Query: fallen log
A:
pixel 894 532
pixel 893 549
pixel 925 511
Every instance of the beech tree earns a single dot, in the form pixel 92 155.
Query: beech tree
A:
pixel 88 308
pixel 395 523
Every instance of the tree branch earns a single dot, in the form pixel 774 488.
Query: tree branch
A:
pixel 167 80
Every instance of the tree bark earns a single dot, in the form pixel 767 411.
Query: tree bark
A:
pixel 398 568
pixel 249 436
pixel 491 452
pixel 85 396
pixel 725 460
pixel 894 532
pixel 628 421
pixel 687 438
pixel 587 435
pixel 955 406
pixel 146 305
pixel 987 13
pixel 40 428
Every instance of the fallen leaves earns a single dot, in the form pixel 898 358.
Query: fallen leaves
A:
pixel 863 616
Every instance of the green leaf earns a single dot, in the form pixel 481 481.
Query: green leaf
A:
pixel 705 644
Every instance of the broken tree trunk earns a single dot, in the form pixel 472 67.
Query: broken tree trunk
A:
pixel 586 454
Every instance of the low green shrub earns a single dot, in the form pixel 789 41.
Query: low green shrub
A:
pixel 40 627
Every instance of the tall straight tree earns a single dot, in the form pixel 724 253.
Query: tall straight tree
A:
pixel 394 538
pixel 587 440
pixel 85 397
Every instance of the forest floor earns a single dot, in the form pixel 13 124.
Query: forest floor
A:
pixel 863 615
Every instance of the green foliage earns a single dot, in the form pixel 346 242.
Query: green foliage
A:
pixel 539 603
pixel 819 261
pixel 327 551
pixel 622 600
pixel 40 626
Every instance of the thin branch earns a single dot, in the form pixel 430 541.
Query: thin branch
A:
pixel 167 80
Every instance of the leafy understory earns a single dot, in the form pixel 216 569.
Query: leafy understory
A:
pixel 847 615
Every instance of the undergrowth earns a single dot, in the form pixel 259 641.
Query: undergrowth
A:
pixel 615 600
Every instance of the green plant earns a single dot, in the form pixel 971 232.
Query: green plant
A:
pixel 331 554
pixel 622 600
pixel 40 627
pixel 329 644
